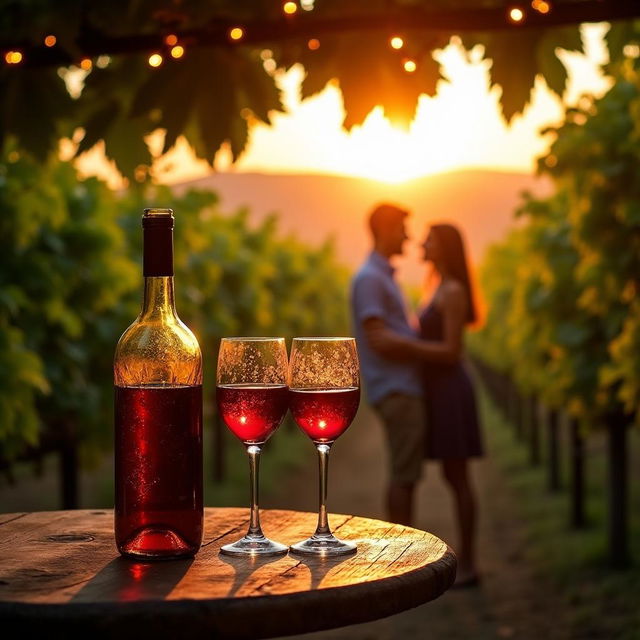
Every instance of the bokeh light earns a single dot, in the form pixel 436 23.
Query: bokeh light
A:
pixel 516 14
pixel 13 57
pixel 409 66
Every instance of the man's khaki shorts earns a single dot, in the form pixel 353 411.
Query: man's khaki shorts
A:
pixel 403 418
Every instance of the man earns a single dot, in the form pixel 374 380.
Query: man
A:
pixel 393 386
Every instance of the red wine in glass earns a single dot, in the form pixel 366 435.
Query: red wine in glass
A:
pixel 158 454
pixel 252 398
pixel 324 414
pixel 252 411
pixel 324 393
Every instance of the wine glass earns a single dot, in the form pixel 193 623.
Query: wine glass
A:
pixel 252 400
pixel 324 394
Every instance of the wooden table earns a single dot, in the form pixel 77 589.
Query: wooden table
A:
pixel 61 573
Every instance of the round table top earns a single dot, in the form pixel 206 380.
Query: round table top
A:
pixel 60 572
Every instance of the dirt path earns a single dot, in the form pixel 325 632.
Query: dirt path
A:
pixel 511 603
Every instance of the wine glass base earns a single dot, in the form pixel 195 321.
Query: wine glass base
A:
pixel 323 547
pixel 254 546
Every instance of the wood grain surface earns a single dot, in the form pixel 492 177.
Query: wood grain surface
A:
pixel 60 572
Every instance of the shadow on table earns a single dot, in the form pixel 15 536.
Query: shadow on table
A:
pixel 244 568
pixel 125 580
pixel 320 567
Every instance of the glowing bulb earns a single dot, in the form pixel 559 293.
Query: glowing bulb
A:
pixel 307 5
pixel 155 60
pixel 290 7
pixel 313 44
pixel 13 57
pixel 243 419
pixel 50 41
pixel 631 50
pixel 171 40
pixel 236 33
pixel 516 14
pixel 177 51
pixel 322 424
pixel 543 7
pixel 397 42
pixel 86 64
pixel 410 66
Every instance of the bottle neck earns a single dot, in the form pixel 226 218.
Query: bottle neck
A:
pixel 158 302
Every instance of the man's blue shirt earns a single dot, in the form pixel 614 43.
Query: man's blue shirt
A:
pixel 375 294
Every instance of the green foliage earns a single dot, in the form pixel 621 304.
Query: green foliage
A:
pixel 63 279
pixel 563 290
pixel 519 56
pixel 70 285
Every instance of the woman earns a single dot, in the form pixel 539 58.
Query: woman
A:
pixel 453 432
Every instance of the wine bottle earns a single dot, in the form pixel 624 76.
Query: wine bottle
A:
pixel 158 415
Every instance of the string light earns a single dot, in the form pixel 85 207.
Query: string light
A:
pixel 631 50
pixel 409 66
pixel 86 64
pixel 313 44
pixel 542 7
pixel 516 14
pixel 396 42
pixel 290 7
pixel 236 33
pixel 155 60
pixel 171 40
pixel 177 51
pixel 13 57
pixel 307 5
pixel 50 41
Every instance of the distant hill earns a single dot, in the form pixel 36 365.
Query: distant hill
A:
pixel 317 206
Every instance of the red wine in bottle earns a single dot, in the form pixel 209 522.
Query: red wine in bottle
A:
pixel 158 415
pixel 324 414
pixel 252 412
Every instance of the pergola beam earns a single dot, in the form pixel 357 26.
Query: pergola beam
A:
pixel 307 25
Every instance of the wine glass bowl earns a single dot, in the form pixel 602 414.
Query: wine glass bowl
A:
pixel 252 399
pixel 324 414
pixel 324 394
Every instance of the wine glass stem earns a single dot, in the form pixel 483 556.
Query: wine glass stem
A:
pixel 254 466
pixel 323 464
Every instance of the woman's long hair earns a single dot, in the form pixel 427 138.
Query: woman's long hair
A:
pixel 454 259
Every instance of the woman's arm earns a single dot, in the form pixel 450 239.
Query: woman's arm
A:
pixel 398 347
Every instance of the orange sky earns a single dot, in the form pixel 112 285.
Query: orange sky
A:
pixel 458 128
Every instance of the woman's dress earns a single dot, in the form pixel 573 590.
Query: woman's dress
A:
pixel 453 428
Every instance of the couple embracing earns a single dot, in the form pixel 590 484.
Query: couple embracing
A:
pixel 415 380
